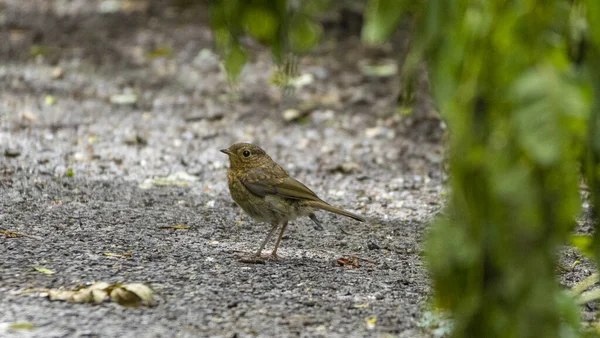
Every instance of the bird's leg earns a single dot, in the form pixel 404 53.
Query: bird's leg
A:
pixel 274 253
pixel 318 226
pixel 262 246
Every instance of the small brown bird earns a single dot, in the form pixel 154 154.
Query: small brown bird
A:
pixel 268 194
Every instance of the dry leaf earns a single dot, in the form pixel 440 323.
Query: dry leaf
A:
pixel 82 296
pixel 98 296
pixel 350 262
pixel 125 297
pixel 10 234
pixel 43 270
pixel 114 255
pixel 29 116
pixel 100 286
pixel 145 293
pixel 177 227
pixel 59 294
pixel 131 295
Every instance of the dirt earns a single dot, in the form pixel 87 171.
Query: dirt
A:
pixel 83 175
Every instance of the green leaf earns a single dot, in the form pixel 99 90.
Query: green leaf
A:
pixel 43 270
pixel 21 326
pixel 261 23
pixel 381 18
pixel 593 16
pixel 304 34
pixel 235 61
pixel 583 243
pixel 549 108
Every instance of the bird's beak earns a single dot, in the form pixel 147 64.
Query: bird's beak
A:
pixel 226 151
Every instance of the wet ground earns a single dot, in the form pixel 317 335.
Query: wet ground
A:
pixel 111 121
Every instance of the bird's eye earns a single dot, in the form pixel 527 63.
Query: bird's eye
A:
pixel 246 153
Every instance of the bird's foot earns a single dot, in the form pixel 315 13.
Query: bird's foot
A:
pixel 256 258
pixel 271 257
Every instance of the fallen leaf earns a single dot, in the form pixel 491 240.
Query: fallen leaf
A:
pixel 29 116
pixel 60 294
pixel 100 286
pixel 21 326
pixel 160 52
pixel 98 296
pixel 10 152
pixel 49 100
pixel 123 99
pixel 11 234
pixel 177 227
pixel 131 295
pixel 178 179
pixel 43 270
pixel 291 114
pixel 125 298
pixel 114 255
pixel 361 306
pixel 145 293
pixel 350 262
pixel 82 296
pixel 57 73
pixel 386 68
pixel 371 322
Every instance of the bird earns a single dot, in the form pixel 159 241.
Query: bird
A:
pixel 265 191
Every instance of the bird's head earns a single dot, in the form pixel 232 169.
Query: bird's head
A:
pixel 246 156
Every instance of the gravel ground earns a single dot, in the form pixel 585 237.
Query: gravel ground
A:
pixel 83 173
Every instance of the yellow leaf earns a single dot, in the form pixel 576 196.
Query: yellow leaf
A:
pixel 371 322
pixel 49 100
pixel 114 255
pixel 177 227
pixel 56 294
pixel 125 298
pixel 98 296
pixel 361 306
pixel 10 234
pixel 43 270
pixel 145 293
pixel 21 326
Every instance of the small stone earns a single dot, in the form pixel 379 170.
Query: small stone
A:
pixel 349 167
pixel 57 73
pixel 380 132
pixel 123 99
pixel 373 246
pixel 80 157
pixel 291 114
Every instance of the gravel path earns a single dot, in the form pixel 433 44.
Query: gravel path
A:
pixel 84 174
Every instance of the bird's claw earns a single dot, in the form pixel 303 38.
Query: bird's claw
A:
pixel 270 257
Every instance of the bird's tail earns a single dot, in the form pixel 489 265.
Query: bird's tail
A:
pixel 324 206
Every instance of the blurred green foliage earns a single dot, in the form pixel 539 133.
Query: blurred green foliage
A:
pixel 285 26
pixel 518 109
pixel 518 84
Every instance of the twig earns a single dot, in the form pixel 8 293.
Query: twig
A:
pixel 12 234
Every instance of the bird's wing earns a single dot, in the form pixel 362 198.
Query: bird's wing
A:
pixel 262 184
